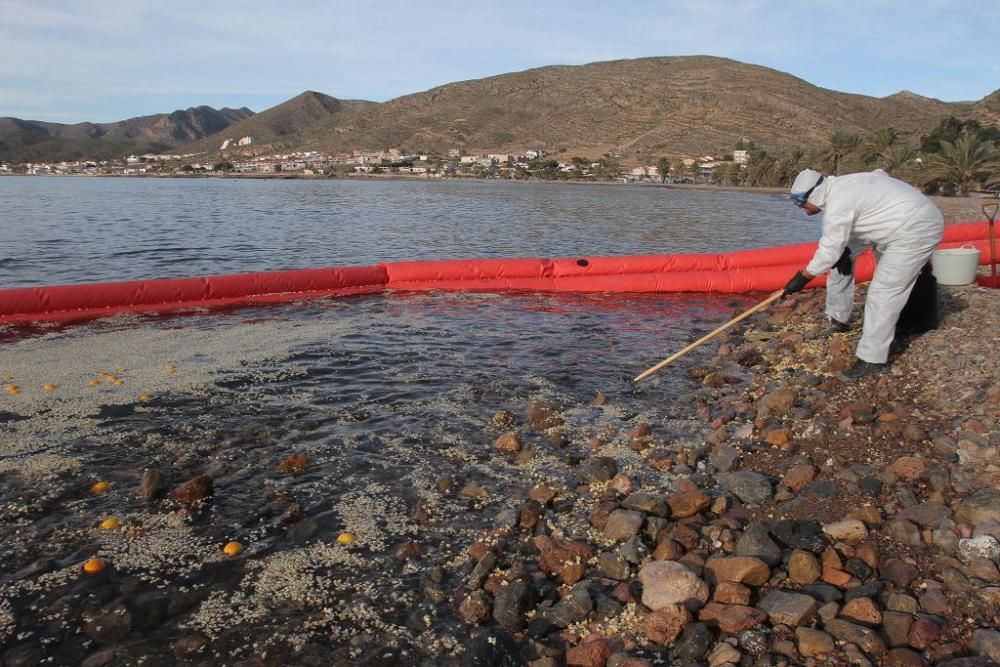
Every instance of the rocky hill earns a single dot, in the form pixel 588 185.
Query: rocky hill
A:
pixel 283 127
pixel 24 140
pixel 640 108
pixel 650 105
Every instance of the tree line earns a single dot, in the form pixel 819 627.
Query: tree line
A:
pixel 954 158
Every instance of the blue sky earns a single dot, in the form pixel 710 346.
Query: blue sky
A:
pixel 106 60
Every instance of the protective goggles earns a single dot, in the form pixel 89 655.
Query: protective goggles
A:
pixel 801 198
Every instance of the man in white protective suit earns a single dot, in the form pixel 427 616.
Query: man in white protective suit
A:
pixel 859 210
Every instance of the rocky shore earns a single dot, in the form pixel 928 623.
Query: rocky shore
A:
pixel 818 522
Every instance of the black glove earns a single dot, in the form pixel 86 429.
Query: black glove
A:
pixel 796 284
pixel 845 265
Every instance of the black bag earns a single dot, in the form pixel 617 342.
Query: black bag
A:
pixel 920 313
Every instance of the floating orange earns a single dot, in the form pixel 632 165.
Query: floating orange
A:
pixel 170 368
pixel 232 549
pixel 111 523
pixel 94 566
pixel 94 382
pixel 145 398
pixel 345 538
pixel 12 389
pixel 48 387
pixel 101 487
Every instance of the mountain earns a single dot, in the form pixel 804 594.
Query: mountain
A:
pixel 282 127
pixel 645 106
pixel 25 140
pixel 987 110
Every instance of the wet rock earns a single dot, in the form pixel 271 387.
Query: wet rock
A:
pixel 296 464
pixel 543 417
pixel 623 524
pixel 813 643
pixel 667 549
pixel 668 583
pixel 506 519
pixel 475 608
pixel 779 436
pixel 508 442
pixel 803 568
pixel 896 628
pixel 756 542
pixel 787 608
pixel 741 569
pixel 152 485
pixel 543 493
pixel 904 657
pixel 100 658
pixel 482 570
pixel 188 648
pixel 531 513
pixel 694 643
pixel 600 512
pixel 984 546
pixel 684 504
pixel 904 532
pixel 859 412
pixel 850 531
pixel 511 604
pixel 806 535
pixel 666 623
pixel 866 638
pixel 731 618
pixel 194 490
pixel 503 419
pixel 660 459
pixel 750 487
pixel 901 602
pixel 935 602
pixel 573 608
pixel 871 485
pixel 107 626
pixel 494 647
pixel 408 550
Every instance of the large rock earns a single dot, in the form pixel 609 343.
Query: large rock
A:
pixel 927 515
pixel 732 618
pixel 557 553
pixel 194 490
pixel 623 524
pixel 984 546
pixel 750 487
pixel 850 531
pixel 981 506
pixel 986 643
pixel 741 569
pixel 813 643
pixel 694 643
pixel 649 503
pixel 786 608
pixel 665 624
pixel 803 568
pixel 573 608
pixel 666 582
pixel 512 603
pixel 684 504
pixel 866 638
pixel 756 542
pixel 589 653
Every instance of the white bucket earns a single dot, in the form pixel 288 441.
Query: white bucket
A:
pixel 955 266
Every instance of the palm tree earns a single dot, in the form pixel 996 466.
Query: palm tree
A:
pixel 841 145
pixel 897 159
pixel 878 144
pixel 963 164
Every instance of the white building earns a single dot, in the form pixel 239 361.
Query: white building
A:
pixel 741 157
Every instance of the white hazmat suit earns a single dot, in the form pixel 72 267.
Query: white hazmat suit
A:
pixel 902 226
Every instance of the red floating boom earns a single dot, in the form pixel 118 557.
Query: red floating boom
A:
pixel 760 270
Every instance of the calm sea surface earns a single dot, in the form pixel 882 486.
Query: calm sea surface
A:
pixel 395 400
pixel 73 230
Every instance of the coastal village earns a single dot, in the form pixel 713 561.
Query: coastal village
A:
pixel 529 163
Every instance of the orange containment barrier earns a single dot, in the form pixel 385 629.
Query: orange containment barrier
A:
pixel 758 270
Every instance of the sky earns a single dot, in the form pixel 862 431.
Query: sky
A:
pixel 106 60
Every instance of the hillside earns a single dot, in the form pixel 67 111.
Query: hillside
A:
pixel 283 127
pixel 645 106
pixel 23 140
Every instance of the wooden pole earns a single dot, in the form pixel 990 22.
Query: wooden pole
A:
pixel 704 339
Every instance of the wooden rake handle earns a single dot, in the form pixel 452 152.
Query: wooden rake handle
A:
pixel 704 339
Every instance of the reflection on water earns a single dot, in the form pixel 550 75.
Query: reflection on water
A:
pixel 73 230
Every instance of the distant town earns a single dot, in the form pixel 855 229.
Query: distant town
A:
pixel 531 163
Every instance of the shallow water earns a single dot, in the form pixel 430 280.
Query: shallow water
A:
pixel 391 398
